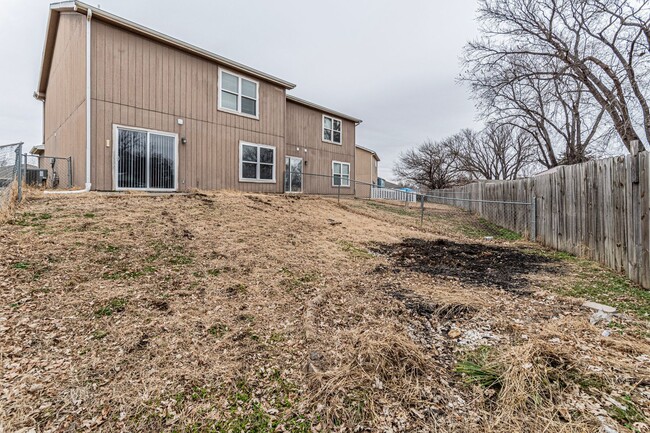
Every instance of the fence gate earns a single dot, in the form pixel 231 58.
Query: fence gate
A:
pixel 51 172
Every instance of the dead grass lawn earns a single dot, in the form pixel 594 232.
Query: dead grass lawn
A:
pixel 245 312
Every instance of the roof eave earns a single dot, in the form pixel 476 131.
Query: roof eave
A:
pixel 153 34
pixel 77 6
pixel 370 151
pixel 323 109
pixel 48 47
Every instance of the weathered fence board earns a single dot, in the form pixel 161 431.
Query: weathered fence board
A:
pixel 599 210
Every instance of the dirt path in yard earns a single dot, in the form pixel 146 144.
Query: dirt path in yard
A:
pixel 245 312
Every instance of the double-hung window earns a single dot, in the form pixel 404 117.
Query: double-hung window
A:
pixel 332 132
pixel 256 162
pixel 340 173
pixel 238 95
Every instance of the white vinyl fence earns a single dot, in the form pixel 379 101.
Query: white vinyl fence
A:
pixel 377 193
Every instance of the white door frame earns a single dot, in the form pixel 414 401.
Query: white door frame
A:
pixel 302 178
pixel 116 145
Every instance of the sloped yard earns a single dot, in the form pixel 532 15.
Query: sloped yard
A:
pixel 232 312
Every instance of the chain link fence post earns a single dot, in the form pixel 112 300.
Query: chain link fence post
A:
pixel 69 172
pixel 338 194
pixel 421 210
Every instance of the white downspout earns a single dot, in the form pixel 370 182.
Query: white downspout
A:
pixel 89 15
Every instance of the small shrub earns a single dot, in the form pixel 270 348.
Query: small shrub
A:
pixel 21 265
pixel 89 215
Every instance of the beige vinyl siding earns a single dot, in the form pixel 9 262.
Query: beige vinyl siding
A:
pixel 65 101
pixel 305 131
pixel 141 83
pixel 366 171
pixel 362 165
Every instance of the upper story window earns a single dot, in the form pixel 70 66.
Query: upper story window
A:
pixel 238 95
pixel 332 132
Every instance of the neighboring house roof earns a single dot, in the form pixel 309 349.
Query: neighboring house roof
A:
pixel 389 184
pixel 369 151
pixel 77 6
pixel 37 150
pixel 321 108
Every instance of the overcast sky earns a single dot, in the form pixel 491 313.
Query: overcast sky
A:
pixel 391 63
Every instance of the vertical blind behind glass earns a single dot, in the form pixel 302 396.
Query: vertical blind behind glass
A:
pixel 145 160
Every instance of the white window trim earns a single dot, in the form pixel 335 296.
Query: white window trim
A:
pixel 238 112
pixel 241 168
pixel 148 131
pixel 349 174
pixel 322 132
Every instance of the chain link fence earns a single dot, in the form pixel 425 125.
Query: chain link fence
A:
pixel 508 220
pixel 340 185
pixel 472 216
pixel 18 169
pixel 10 171
pixel 51 172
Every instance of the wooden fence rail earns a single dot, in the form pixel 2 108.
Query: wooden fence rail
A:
pixel 599 210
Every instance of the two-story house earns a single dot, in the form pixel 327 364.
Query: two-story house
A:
pixel 136 109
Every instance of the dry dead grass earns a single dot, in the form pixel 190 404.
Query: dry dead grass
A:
pixel 246 312
pixel 8 197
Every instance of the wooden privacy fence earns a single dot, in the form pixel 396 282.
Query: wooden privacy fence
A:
pixel 597 210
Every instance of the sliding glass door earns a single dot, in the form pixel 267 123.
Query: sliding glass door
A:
pixel 145 159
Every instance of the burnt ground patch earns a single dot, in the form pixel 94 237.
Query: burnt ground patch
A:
pixel 471 263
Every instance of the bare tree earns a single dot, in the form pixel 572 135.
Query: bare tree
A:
pixel 431 165
pixel 496 153
pixel 577 47
pixel 560 116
